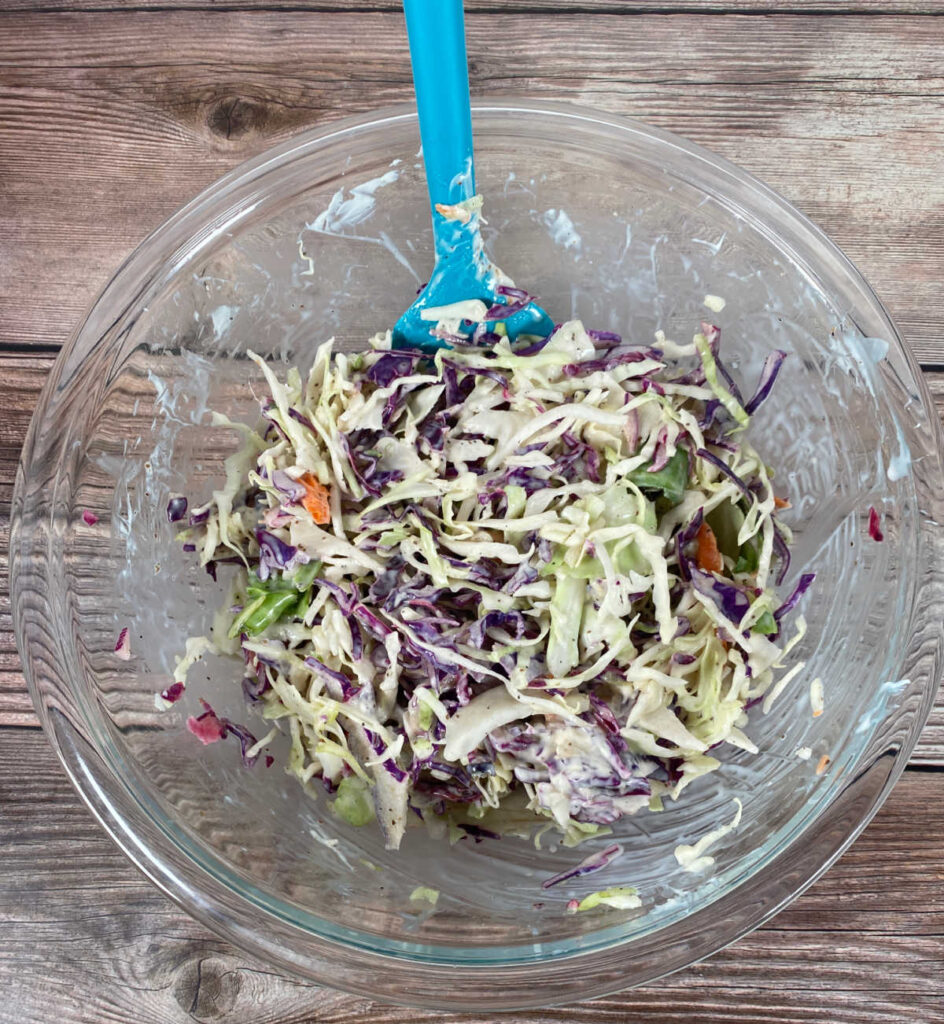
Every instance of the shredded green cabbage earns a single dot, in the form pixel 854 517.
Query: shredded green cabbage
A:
pixel 623 897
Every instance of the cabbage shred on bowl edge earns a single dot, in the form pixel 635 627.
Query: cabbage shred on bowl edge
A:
pixel 502 586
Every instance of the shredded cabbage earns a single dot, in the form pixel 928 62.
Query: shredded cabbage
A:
pixel 504 580
pixel 693 857
pixel 423 893
pixel 622 897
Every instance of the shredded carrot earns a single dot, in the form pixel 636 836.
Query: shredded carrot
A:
pixel 823 764
pixel 316 499
pixel 781 502
pixel 709 557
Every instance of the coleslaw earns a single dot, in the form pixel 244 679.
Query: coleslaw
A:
pixel 503 586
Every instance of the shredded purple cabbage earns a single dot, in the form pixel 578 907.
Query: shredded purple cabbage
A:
pixel 730 599
pixel 768 376
pixel 803 585
pixel 875 526
pixel 176 509
pixel 595 862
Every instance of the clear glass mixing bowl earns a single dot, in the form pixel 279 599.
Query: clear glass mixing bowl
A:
pixel 611 221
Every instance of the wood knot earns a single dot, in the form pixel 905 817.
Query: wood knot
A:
pixel 234 116
pixel 206 989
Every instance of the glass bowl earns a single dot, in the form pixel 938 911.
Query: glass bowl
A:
pixel 617 223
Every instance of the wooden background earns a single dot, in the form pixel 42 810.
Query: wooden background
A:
pixel 111 115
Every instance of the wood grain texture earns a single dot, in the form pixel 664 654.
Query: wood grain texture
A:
pixel 21 378
pixel 880 8
pixel 80 931
pixel 841 114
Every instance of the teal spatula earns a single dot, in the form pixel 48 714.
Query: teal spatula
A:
pixel 462 270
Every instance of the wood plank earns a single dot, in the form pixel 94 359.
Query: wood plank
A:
pixel 930 749
pixel 543 7
pixel 23 377
pixel 159 104
pixel 81 931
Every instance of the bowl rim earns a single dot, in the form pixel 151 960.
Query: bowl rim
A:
pixel 517 988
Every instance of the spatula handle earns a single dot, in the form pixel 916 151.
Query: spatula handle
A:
pixel 436 32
